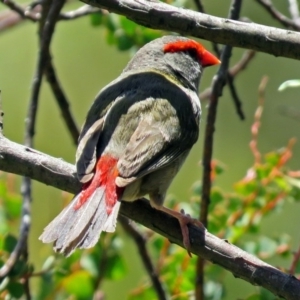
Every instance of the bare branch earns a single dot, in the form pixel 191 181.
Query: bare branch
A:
pixel 46 33
pixel 24 14
pixel 62 101
pixel 18 159
pixel 235 97
pixel 79 12
pixel 159 15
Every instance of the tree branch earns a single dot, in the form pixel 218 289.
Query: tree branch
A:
pixel 159 15
pixel 18 159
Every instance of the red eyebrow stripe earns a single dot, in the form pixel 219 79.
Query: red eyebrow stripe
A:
pixel 205 57
pixel 184 46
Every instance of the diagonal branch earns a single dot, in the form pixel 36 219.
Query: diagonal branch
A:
pixel 159 15
pixel 18 159
pixel 140 242
pixel 20 10
pixel 62 101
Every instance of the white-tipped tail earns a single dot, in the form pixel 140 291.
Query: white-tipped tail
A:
pixel 81 228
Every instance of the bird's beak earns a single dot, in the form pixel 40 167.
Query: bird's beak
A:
pixel 208 59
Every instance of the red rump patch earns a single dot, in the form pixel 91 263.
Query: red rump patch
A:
pixel 105 175
pixel 205 57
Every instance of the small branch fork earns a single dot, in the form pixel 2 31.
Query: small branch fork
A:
pixel 18 13
pixel 280 17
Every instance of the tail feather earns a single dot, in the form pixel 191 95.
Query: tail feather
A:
pixel 100 223
pixel 80 228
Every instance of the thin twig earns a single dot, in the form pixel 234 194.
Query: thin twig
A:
pixel 235 97
pixel 294 10
pixel 46 35
pixel 257 120
pixel 217 88
pixel 79 12
pixel 140 242
pixel 233 71
pixel 230 80
pixel 199 6
pixel 22 244
pixel 276 14
pixel 62 101
pixel 24 229
pixel 295 261
pixel 23 13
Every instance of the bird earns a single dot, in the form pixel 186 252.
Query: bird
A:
pixel 137 134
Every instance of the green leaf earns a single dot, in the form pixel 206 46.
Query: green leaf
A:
pixel 13 205
pixel 254 297
pixel 79 284
pixel 91 264
pixel 49 263
pixel 143 293
pixel 124 42
pixel 267 247
pixel 213 290
pixel 289 84
pixel 128 26
pixel 96 19
pixel 116 268
pixel 9 243
pixel 15 289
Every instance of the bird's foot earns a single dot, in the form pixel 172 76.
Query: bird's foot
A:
pixel 184 220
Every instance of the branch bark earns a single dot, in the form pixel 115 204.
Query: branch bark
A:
pixel 159 15
pixel 21 160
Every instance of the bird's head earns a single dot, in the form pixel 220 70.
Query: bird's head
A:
pixel 175 56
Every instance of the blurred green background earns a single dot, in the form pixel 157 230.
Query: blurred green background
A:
pixel 85 63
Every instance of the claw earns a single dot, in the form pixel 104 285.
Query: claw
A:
pixel 183 219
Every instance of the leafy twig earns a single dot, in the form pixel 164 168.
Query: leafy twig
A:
pixel 257 118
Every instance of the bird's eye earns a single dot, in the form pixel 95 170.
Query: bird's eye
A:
pixel 194 54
